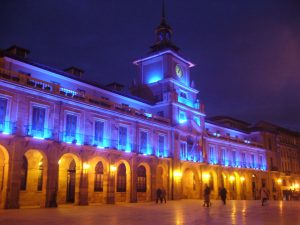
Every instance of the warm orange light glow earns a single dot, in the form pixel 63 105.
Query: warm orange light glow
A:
pixel 296 186
pixel 279 181
pixel 113 168
pixel 86 166
pixel 231 178
pixel 177 174
pixel 242 179
pixel 59 161
pixel 206 176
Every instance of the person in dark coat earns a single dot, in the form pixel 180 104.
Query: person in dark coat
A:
pixel 206 196
pixel 223 194
pixel 158 195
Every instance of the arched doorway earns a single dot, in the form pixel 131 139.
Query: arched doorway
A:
pixel 232 187
pixel 33 179
pixel 190 189
pixel 122 183
pixel 69 168
pixel 143 187
pixel 3 175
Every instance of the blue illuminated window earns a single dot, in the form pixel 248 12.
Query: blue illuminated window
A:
pixel 99 133
pixel 71 128
pixel 244 159
pixel 223 155
pixel 182 117
pixel 211 154
pixel 183 150
pixel 122 137
pixel 197 120
pixel 252 161
pixel 161 145
pixel 234 157
pixel 3 110
pixel 38 121
pixel 260 161
pixel 143 142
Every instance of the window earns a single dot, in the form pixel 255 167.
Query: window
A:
pixel 122 137
pixel 99 133
pixel 197 120
pixel 182 117
pixel 71 128
pixel 141 179
pixel 38 121
pixel 23 174
pixel 143 142
pixel 260 161
pixel 211 154
pixel 98 183
pixel 252 161
pixel 121 178
pixel 183 94
pixel 40 176
pixel 234 157
pixel 223 155
pixel 183 150
pixel 161 145
pixel 3 110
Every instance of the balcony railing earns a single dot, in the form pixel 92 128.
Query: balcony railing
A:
pixel 56 89
pixel 40 133
pixel 8 127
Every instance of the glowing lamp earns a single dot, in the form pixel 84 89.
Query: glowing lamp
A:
pixel 242 179
pixel 177 174
pixel 113 168
pixel 231 178
pixel 296 186
pixel 206 176
pixel 86 166
pixel 279 181
pixel 59 161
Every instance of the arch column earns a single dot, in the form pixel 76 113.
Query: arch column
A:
pixel 111 186
pixel 133 192
pixel 52 184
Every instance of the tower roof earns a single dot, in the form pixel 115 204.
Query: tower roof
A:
pixel 163 34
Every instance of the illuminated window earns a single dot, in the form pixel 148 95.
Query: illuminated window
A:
pixel 121 178
pixel 182 117
pixel 98 183
pixel 244 159
pixel 183 150
pixel 234 157
pixel 211 154
pixel 223 155
pixel 3 110
pixel 260 161
pixel 161 145
pixel 197 120
pixel 71 128
pixel 252 161
pixel 143 142
pixel 38 121
pixel 122 137
pixel 183 94
pixel 99 133
pixel 23 174
pixel 141 179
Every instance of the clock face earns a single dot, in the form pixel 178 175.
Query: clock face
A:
pixel 179 71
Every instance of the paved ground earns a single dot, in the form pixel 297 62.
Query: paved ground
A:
pixel 189 212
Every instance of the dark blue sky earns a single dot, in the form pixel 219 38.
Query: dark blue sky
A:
pixel 247 53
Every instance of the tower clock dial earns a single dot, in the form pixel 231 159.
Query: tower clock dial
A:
pixel 179 71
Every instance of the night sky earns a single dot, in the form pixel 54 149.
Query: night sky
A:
pixel 247 53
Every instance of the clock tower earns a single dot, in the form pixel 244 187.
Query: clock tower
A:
pixel 164 78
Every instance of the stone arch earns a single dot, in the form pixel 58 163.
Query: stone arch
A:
pixel 162 177
pixel 190 183
pixel 34 191
pixel 145 196
pixel 69 173
pixel 4 159
pixel 98 196
pixel 123 196
pixel 210 178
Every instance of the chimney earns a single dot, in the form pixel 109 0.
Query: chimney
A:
pixel 75 71
pixel 18 51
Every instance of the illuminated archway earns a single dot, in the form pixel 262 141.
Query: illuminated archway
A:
pixel 98 180
pixel 123 181
pixel 4 159
pixel 33 178
pixel 190 184
pixel 69 170
pixel 143 182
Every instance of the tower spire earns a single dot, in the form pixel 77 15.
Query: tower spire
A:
pixel 163 34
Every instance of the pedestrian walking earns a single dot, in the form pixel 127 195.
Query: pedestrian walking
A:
pixel 163 195
pixel 207 196
pixel 264 194
pixel 223 194
pixel 158 195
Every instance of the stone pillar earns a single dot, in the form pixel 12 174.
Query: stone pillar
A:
pixel 133 196
pixel 83 188
pixel 52 183
pixel 111 183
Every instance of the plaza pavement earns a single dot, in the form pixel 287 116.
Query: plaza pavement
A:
pixel 187 212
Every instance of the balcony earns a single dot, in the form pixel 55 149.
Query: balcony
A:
pixel 38 133
pixel 55 89
pixel 7 127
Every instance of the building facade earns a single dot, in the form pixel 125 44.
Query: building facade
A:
pixel 66 140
